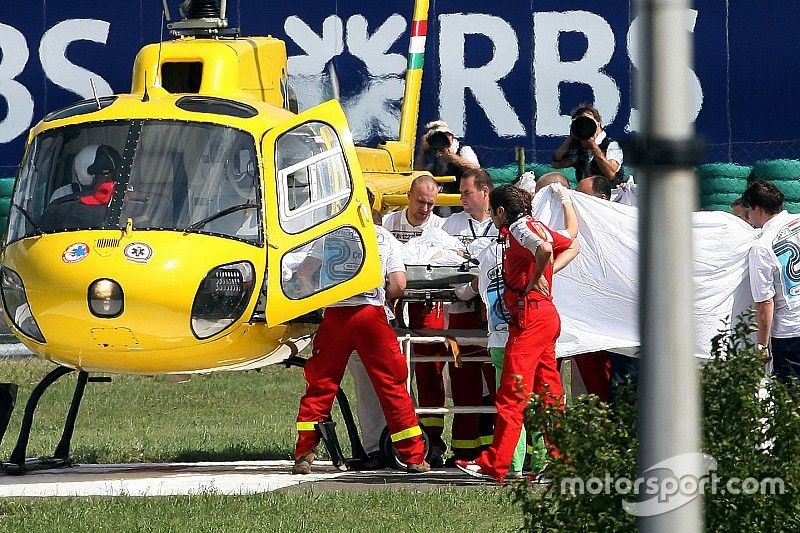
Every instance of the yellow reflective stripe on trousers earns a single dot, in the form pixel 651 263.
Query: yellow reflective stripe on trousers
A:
pixel 465 444
pixel 484 440
pixel 432 421
pixel 307 426
pixel 406 433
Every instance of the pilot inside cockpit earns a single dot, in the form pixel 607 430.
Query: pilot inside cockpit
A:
pixel 84 202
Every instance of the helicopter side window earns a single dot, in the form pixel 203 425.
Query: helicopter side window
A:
pixel 314 183
pixel 323 263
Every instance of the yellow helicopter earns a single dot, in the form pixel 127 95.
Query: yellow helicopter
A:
pixel 158 232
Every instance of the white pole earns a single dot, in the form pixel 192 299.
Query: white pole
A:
pixel 669 396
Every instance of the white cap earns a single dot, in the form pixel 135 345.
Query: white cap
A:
pixel 436 125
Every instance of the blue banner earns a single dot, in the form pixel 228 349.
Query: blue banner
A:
pixel 502 73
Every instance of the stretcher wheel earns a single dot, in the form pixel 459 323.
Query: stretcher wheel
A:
pixel 391 455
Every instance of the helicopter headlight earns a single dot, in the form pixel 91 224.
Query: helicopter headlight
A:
pixel 16 305
pixel 105 298
pixel 222 298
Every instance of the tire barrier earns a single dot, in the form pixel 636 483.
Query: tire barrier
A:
pixel 792 207
pixel 719 198
pixel 503 175
pixel 6 190
pixel 776 170
pixel 720 184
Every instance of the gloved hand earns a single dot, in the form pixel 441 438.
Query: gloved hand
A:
pixel 465 291
pixel 763 353
pixel 562 193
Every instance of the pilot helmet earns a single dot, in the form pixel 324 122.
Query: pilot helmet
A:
pixel 94 160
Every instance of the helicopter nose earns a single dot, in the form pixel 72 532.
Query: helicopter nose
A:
pixel 106 299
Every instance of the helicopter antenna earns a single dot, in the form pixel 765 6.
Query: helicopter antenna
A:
pixel 94 92
pixel 166 12
pixel 145 96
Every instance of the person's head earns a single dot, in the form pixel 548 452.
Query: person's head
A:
pixel 438 135
pixel 509 204
pixel 585 110
pixel 376 215
pixel 421 199
pixel 550 178
pixel 597 186
pixel 738 209
pixel 475 185
pixel 763 200
pixel 95 162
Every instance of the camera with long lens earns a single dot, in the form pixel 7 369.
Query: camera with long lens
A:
pixel 438 140
pixel 583 127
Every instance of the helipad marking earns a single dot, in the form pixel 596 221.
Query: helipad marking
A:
pixel 162 479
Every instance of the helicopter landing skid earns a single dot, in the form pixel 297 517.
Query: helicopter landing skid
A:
pixel 18 463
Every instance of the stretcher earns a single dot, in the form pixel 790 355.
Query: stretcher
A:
pixel 453 338
pixel 432 284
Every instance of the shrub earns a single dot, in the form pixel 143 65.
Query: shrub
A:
pixel 751 427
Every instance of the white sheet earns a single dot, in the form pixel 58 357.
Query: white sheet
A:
pixel 596 294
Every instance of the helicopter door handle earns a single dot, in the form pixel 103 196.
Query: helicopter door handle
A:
pixel 364 215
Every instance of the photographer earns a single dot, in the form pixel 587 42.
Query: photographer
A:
pixel 441 154
pixel 589 149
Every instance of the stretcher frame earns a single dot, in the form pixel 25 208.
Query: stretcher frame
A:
pixel 453 338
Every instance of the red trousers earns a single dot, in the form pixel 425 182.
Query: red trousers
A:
pixel 595 370
pixel 467 386
pixel 530 365
pixel 364 329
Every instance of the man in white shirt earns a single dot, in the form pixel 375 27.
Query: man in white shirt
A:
pixel 774 281
pixel 360 323
pixel 418 216
pixel 404 225
pixel 468 225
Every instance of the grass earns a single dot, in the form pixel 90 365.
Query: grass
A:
pixel 445 510
pixel 216 417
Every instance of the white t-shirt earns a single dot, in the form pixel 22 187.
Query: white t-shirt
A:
pixel 490 287
pixel 397 223
pixel 772 272
pixel 391 261
pixel 467 229
pixel 613 151
pixel 440 168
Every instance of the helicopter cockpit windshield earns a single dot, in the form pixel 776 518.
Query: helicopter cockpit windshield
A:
pixel 158 174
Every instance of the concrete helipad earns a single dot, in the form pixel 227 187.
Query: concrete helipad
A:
pixel 242 477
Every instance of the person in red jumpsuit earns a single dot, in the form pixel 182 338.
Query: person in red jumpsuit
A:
pixel 360 323
pixel 532 253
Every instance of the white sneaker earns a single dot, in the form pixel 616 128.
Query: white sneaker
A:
pixel 473 469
